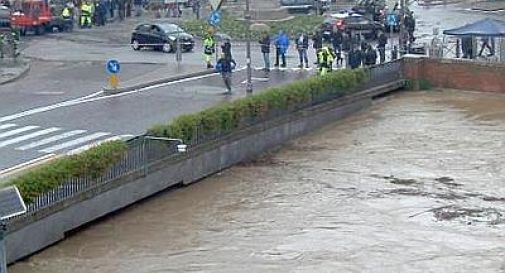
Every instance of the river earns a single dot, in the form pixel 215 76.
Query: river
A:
pixel 413 184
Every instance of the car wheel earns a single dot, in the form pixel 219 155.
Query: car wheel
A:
pixel 135 45
pixel 167 48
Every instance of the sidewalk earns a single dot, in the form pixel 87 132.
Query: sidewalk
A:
pixel 11 69
pixel 160 75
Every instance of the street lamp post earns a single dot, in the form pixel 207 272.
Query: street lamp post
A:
pixel 178 52
pixel 249 87
pixel 181 148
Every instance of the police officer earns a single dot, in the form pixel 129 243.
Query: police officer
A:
pixel 209 48
pixel 325 59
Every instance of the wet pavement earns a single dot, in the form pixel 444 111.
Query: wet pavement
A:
pixel 413 184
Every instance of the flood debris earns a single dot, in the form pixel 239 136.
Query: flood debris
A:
pixel 491 216
pixel 448 181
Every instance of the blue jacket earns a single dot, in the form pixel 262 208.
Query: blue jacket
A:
pixel 282 42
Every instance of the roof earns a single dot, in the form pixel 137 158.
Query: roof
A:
pixel 485 27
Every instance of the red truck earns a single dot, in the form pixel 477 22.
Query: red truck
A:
pixel 34 15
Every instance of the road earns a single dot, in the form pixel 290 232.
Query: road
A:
pixel 61 94
pixel 59 106
pixel 67 125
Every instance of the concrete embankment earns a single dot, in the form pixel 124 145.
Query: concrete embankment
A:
pixel 50 225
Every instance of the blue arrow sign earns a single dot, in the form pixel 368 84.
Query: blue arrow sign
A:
pixel 113 66
pixel 215 18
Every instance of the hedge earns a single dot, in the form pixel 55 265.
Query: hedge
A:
pixel 91 163
pixel 226 117
pixel 237 29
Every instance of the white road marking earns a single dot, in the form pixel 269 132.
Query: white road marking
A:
pixel 257 79
pixel 6 126
pixel 49 93
pixel 47 108
pixel 17 131
pixel 28 136
pixel 93 97
pixel 50 140
pixel 74 142
pixel 94 144
pixel 24 164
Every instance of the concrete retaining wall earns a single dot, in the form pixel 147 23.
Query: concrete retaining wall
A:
pixel 48 227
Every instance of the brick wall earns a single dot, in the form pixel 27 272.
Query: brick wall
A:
pixel 455 73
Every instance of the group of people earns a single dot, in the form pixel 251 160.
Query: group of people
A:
pixel 467 47
pixel 329 51
pixel 88 13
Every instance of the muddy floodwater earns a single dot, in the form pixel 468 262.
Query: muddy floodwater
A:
pixel 416 183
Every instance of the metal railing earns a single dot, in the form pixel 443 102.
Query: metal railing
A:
pixel 141 153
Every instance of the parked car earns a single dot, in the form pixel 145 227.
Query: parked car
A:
pixel 355 23
pixel 304 5
pixel 5 17
pixel 161 37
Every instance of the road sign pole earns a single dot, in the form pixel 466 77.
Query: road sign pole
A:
pixel 249 86
pixel 3 255
pixel 178 53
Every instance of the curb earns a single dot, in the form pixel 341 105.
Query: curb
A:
pixel 112 91
pixel 12 172
pixel 25 70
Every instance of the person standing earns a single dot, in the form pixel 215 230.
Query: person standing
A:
pixel 86 12
pixel 209 48
pixel 281 48
pixel 196 9
pixel 317 44
pixel 302 45
pixel 68 18
pixel 354 57
pixel 226 49
pixel 370 56
pixel 225 66
pixel 382 42
pixel 121 9
pixel 337 40
pixel 112 7
pixel 325 59
pixel 265 51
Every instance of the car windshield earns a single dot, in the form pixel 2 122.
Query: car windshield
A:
pixel 169 29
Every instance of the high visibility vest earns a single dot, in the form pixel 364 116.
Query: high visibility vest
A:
pixel 208 45
pixel 325 57
pixel 65 13
pixel 86 9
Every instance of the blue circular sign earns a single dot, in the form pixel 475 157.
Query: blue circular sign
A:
pixel 113 66
pixel 215 18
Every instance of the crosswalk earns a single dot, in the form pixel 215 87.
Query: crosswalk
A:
pixel 51 140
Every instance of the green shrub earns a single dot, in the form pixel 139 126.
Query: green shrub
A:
pixel 236 114
pixel 91 163
pixel 237 29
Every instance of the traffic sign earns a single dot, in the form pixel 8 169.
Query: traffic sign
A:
pixel 215 4
pixel 215 18
pixel 113 66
